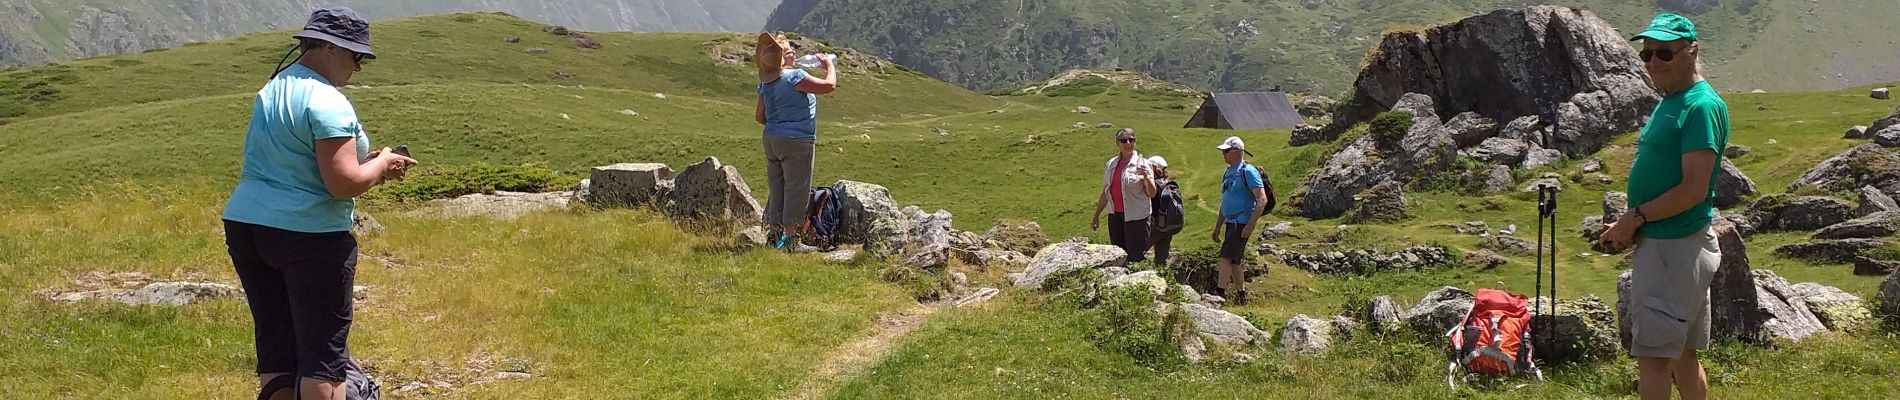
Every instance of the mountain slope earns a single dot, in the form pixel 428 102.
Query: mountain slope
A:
pixel 1310 45
pixel 40 31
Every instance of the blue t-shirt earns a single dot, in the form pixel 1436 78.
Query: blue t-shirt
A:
pixel 1236 193
pixel 789 113
pixel 280 186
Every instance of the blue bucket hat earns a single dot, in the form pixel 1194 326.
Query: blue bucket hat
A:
pixel 340 26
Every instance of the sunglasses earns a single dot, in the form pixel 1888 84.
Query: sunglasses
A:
pixel 1666 55
pixel 361 58
pixel 1126 140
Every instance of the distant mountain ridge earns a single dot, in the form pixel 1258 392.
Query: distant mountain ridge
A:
pixel 1314 45
pixel 42 31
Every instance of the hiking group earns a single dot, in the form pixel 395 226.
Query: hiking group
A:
pixel 307 156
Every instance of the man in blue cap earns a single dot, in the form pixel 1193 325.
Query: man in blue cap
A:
pixel 1671 187
pixel 287 224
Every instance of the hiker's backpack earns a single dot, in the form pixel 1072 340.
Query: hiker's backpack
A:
pixel 822 217
pixel 1167 209
pixel 1266 184
pixel 356 385
pixel 1494 338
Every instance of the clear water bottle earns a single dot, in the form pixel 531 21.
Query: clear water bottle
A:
pixel 811 60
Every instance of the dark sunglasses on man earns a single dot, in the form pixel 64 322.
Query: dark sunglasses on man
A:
pixel 1666 55
pixel 1126 140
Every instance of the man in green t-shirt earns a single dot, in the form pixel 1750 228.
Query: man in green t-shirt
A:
pixel 1671 184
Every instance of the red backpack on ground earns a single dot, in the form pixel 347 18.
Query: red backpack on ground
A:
pixel 1494 339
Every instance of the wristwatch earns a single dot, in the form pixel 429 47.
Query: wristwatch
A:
pixel 1639 214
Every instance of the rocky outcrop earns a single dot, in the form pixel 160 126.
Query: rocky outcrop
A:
pixel 1872 200
pixel 1146 280
pixel 1365 262
pixel 501 205
pixel 1384 203
pixel 1306 335
pixel 1070 256
pixel 1438 311
pixel 158 293
pixel 1831 250
pixel 929 239
pixel 1837 309
pixel 1754 306
pixel 629 185
pixel 710 191
pixel 1423 149
pixel 1804 213
pixel 1867 266
pixel 1863 165
pixel 362 224
pixel 1510 64
pixel 1580 330
pixel 1384 315
pixel 1018 236
pixel 1731 185
pixel 870 217
pixel 1223 327
pixel 1877 225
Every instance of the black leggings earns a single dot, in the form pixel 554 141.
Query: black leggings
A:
pixel 299 286
pixel 1131 236
pixel 1162 243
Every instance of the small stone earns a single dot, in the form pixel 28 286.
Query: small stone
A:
pixel 629 113
pixel 1735 151
pixel 512 39
pixel 1083 110
pixel 536 50
pixel 1105 125
pixel 661 96
pixel 1080 125
pixel 1856 132
pixel 564 116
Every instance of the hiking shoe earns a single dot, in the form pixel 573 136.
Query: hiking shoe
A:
pixel 779 242
pixel 1241 299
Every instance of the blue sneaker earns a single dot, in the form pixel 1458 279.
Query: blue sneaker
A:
pixel 779 243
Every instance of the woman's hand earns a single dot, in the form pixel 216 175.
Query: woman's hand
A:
pixel 825 62
pixel 396 166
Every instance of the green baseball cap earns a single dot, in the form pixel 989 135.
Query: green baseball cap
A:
pixel 1668 27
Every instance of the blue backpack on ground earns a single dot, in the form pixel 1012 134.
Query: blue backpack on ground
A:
pixel 822 217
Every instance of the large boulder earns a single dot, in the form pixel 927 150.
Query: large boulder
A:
pixel 1384 203
pixel 929 239
pixel 1804 213
pixel 1887 300
pixel 713 192
pixel 1839 310
pixel 362 224
pixel 1731 185
pixel 628 185
pixel 1498 179
pixel 1148 280
pixel 1469 129
pixel 1543 60
pixel 1070 256
pixel 1866 266
pixel 1223 327
pixel 1872 200
pixel 1383 315
pixel 1438 311
pixel 159 293
pixel 1877 225
pixel 1785 312
pixel 1306 335
pixel 1539 158
pixel 1754 306
pixel 870 217
pixel 1863 165
pixel 1830 250
pixel 1579 330
pixel 1019 236
pixel 502 205
pixel 1501 151
pixel 1363 261
pixel 1889 137
pixel 1424 149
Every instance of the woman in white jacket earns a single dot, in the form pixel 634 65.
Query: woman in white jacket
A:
pixel 1128 183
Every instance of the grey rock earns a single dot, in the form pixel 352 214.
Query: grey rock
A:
pixel 752 237
pixel 1593 165
pixel 1872 200
pixel 1887 300
pixel 1192 348
pixel 1864 266
pixel 1023 237
pixel 712 192
pixel 1149 280
pixel 1423 150
pixel 629 185
pixel 1383 203
pixel 362 224
pixel 536 50
pixel 1501 151
pixel 1877 225
pixel 1223 327
pixel 1837 309
pixel 501 205
pixel 1812 212
pixel 1083 109
pixel 1731 185
pixel 1538 158
pixel 1079 125
pixel 1499 179
pixel 1862 165
pixel 1829 251
pixel 1579 330
pixel 1509 245
pixel 870 217
pixel 1547 55
pixel 1469 128
pixel 1384 315
pixel 1788 314
pixel 842 255
pixel 1737 151
pixel 1889 137
pixel 581 192
pixel 1306 336
pixel 178 293
pixel 1344 328
pixel 1856 132
pixel 1070 256
pixel 1363 262
pixel 1438 311
pixel 1484 259
pixel 1306 134
pixel 929 240
pixel 1880 93
pixel 1277 230
pixel 1531 187
pixel 978 296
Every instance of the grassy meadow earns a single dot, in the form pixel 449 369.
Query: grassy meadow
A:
pixel 124 167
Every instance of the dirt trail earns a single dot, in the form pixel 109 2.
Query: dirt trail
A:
pixel 853 358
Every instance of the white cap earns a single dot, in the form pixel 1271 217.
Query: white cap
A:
pixel 1233 142
pixel 1158 161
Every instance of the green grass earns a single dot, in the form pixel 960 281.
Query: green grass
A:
pixel 127 167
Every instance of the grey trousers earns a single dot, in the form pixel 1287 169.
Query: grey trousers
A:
pixel 788 165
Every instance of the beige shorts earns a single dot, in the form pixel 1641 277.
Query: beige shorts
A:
pixel 1669 289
